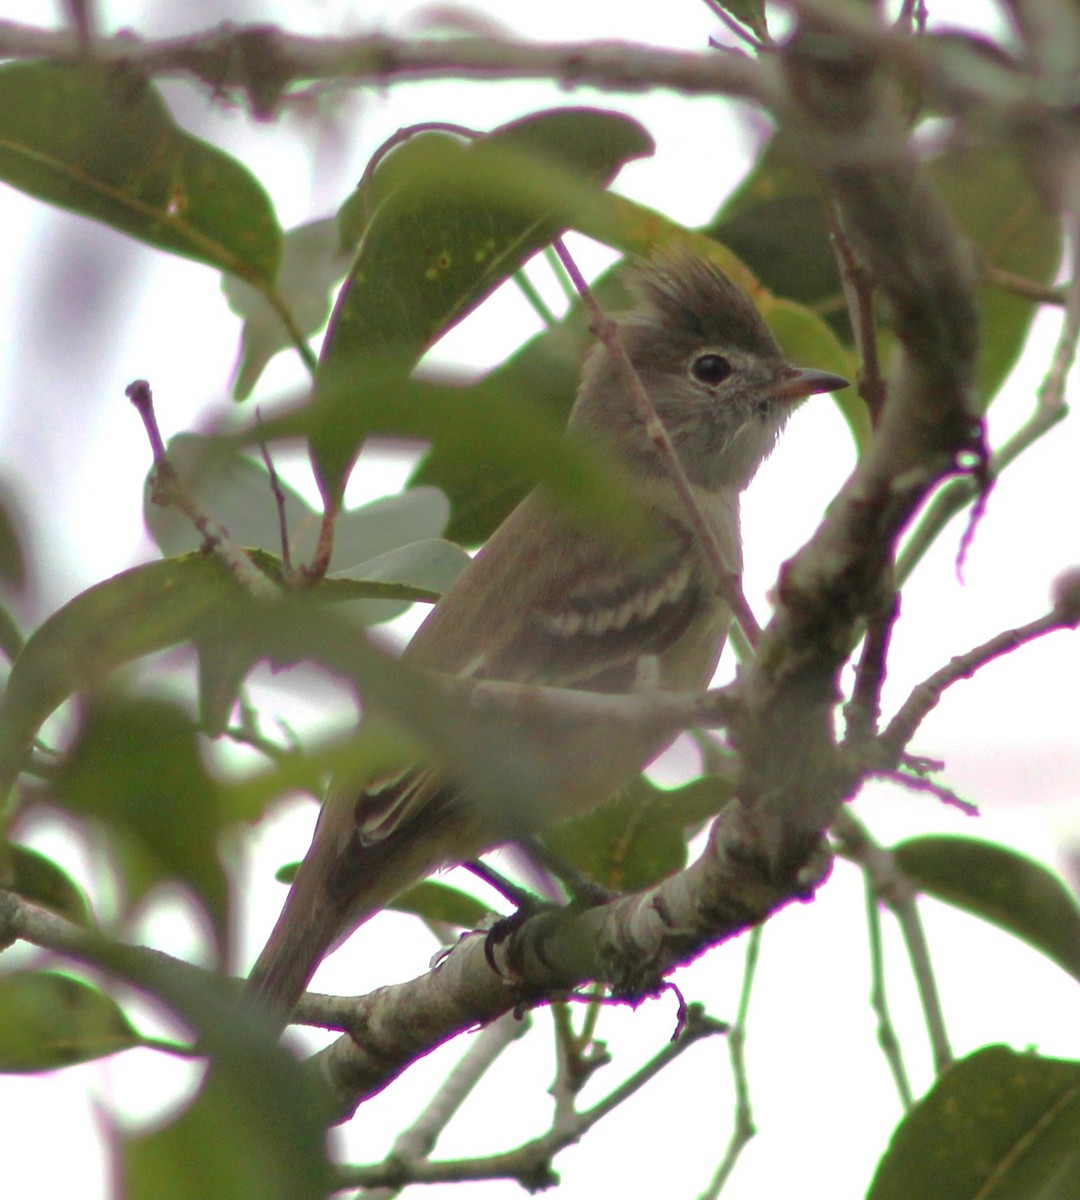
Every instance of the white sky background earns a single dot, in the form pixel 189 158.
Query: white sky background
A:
pixel 89 310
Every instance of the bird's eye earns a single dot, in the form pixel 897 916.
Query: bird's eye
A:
pixel 710 369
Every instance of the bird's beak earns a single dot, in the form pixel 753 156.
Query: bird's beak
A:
pixel 796 383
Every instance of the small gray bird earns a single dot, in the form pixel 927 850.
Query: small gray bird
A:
pixel 549 602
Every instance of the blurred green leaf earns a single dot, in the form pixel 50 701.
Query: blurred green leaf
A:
pixel 100 141
pixel 136 612
pixel 37 878
pixel 11 638
pixel 639 837
pixel 12 560
pixel 391 542
pixel 192 598
pixel 440 904
pixel 49 1020
pixel 996 205
pixel 136 765
pixel 479 426
pixel 312 264
pixel 257 1128
pixel 1001 886
pixel 775 222
pixel 460 219
pixel 419 571
pixel 750 12
pixel 998 1125
pixel 236 491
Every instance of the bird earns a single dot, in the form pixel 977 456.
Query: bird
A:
pixel 551 601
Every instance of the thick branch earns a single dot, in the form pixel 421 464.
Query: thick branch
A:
pixel 630 944
pixel 850 133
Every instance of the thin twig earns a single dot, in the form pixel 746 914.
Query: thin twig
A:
pixel 415 1144
pixel 537 302
pixel 168 489
pixel 862 711
pixel 926 695
pixel 879 998
pixel 1030 289
pixel 897 891
pixel 920 783
pixel 859 291
pixel 530 1163
pixel 1052 389
pixel 279 500
pixel 744 1127
pixel 736 27
pixel 728 584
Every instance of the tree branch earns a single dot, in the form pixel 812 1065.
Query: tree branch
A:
pixel 629 944
pixel 264 62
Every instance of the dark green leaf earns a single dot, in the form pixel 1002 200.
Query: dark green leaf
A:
pixel 49 1020
pixel 12 561
pixel 438 903
pixel 775 222
pixel 312 264
pixel 136 765
pixel 638 838
pixel 998 1126
pixel 750 12
pixel 997 206
pixel 11 638
pixel 1001 886
pixel 459 221
pixel 99 140
pixel 30 874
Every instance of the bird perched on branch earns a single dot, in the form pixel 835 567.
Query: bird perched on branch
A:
pixel 549 601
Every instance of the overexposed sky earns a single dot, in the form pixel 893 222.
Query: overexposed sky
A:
pixel 87 310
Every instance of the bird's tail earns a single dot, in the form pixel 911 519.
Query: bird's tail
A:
pixel 340 884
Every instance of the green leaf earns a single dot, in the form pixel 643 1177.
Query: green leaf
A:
pixel 257 1128
pixel 312 264
pixel 137 612
pixel 236 491
pixel 11 638
pixel 459 221
pixel 12 560
pixel 420 571
pixel 998 1126
pixel 100 141
pixel 638 838
pixel 750 12
pixel 995 203
pixel 775 222
pixel 136 765
pixel 37 878
pixel 49 1020
pixel 479 426
pixel 438 903
pixel 1001 886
